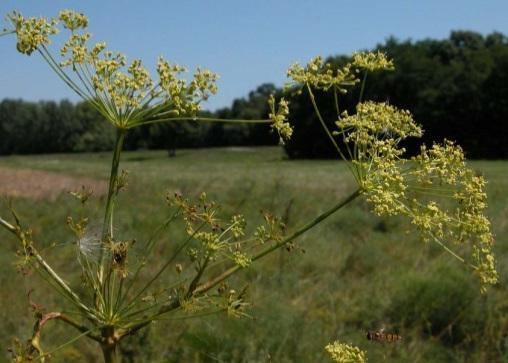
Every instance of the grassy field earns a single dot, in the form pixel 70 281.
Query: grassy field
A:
pixel 353 273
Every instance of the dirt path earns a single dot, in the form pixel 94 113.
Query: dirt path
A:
pixel 36 184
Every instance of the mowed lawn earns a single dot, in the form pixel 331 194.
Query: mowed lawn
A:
pixel 353 273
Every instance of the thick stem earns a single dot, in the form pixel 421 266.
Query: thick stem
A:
pixel 109 345
pixel 107 226
pixel 109 353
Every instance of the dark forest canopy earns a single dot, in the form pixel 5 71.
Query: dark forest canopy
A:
pixel 457 88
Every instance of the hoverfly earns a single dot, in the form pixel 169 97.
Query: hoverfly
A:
pixel 381 336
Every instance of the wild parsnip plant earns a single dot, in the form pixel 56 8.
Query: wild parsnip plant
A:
pixel 118 298
pixel 442 197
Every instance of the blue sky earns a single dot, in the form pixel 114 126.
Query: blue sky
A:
pixel 246 42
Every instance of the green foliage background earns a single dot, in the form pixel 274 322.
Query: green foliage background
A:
pixel 358 273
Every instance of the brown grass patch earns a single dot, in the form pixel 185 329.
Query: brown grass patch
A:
pixel 36 184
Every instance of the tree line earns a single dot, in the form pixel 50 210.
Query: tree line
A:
pixel 457 88
pixel 53 127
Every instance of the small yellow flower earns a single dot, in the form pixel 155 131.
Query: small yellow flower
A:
pixel 279 118
pixel 241 259
pixel 73 20
pixel 344 353
pixel 371 61
pixel 32 32
pixel 323 76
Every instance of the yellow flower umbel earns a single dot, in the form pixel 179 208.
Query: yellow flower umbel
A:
pixel 372 62
pixel 31 32
pixel 436 190
pixel 125 94
pixel 322 76
pixel 73 20
pixel 344 353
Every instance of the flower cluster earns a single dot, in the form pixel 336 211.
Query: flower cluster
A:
pixel 125 94
pixel 375 132
pixel 279 118
pixel 440 195
pixel 272 230
pixel 397 186
pixel 185 97
pixel 73 20
pixel 324 76
pixel 372 61
pixel 32 32
pixel 443 171
pixel 229 301
pixel 321 75
pixel 105 74
pixel 126 90
pixel 203 85
pixel 75 50
pixel 435 190
pixel 374 120
pixel 344 353
pixel 215 239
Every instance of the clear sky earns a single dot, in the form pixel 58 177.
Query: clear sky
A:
pixel 246 42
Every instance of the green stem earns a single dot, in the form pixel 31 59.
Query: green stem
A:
pixel 60 347
pixel 322 121
pixel 43 51
pixel 161 270
pixel 7 32
pixel 109 353
pixel 59 281
pixel 146 252
pixel 107 226
pixel 328 133
pixel 362 90
pixel 47 268
pixel 7 225
pixel 213 282
pixel 109 344
pixel 336 101
pixel 205 119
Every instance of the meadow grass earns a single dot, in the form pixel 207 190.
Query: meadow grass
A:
pixel 353 273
